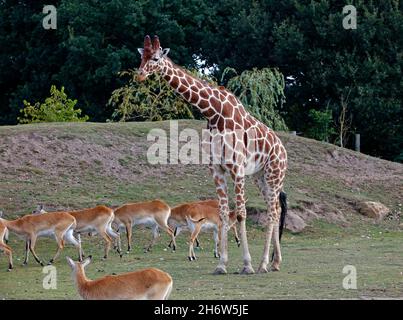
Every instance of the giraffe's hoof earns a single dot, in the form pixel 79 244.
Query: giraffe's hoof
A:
pixel 262 270
pixel 247 270
pixel 220 270
pixel 42 264
pixel 25 264
pixel 275 267
pixel 50 262
pixel 104 258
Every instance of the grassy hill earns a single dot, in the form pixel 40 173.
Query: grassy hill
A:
pixel 77 165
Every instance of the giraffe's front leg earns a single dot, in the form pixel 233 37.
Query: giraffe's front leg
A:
pixel 221 189
pixel 239 183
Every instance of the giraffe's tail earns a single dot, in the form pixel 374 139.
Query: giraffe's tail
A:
pixel 283 204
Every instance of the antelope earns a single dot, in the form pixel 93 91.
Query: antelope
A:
pixel 3 246
pixel 198 216
pixel 146 284
pixel 152 213
pixel 29 227
pixel 93 220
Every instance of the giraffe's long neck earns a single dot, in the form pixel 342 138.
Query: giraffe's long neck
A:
pixel 195 91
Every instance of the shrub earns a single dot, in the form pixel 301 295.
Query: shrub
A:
pixel 56 108
pixel 151 100
pixel 321 125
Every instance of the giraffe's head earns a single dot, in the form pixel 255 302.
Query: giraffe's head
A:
pixel 151 57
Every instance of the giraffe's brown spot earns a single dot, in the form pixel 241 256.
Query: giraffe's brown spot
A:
pixel 209 91
pixel 199 85
pixel 216 93
pixel 270 138
pixel 229 124
pixel 209 112
pixel 186 95
pixel 228 110
pixel 220 124
pixel 204 94
pixel 175 82
pixel 203 104
pixel 181 89
pixel 180 73
pixel 276 149
pixel 215 120
pixel 194 88
pixel 232 100
pixel 185 82
pixel 189 79
pixel 169 72
pixel 194 97
pixel 216 104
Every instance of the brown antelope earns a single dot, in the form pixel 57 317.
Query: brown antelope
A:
pixel 60 225
pixel 201 216
pixel 146 284
pixel 152 213
pixel 4 247
pixel 93 220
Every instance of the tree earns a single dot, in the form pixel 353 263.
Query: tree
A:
pixel 56 108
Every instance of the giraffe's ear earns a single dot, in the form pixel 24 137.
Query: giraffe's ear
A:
pixel 140 50
pixel 165 52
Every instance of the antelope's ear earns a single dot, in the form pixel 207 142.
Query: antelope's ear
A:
pixel 70 262
pixel 165 52
pixel 140 50
pixel 86 262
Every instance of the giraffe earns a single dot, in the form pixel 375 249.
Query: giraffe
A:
pixel 254 150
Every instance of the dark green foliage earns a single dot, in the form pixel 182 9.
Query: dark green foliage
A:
pixel 320 125
pixel 304 39
pixel 56 108
pixel 151 100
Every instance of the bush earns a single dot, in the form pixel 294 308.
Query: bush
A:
pixel 261 92
pixel 56 108
pixel 151 100
pixel 321 125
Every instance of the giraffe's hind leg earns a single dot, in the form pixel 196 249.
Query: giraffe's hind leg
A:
pixel 270 185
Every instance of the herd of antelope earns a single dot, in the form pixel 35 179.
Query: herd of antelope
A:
pixel 67 227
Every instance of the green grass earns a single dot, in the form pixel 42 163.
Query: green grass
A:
pixel 312 266
pixel 118 172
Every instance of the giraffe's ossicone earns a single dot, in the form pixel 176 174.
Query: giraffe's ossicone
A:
pixel 239 145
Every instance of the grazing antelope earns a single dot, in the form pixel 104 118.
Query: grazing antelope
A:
pixel 60 225
pixel 4 247
pixel 94 220
pixel 146 284
pixel 201 216
pixel 152 213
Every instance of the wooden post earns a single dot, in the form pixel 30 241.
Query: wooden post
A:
pixel 357 142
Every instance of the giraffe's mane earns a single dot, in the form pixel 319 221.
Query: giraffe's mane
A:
pixel 204 81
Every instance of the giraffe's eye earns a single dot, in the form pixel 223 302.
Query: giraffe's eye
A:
pixel 155 59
